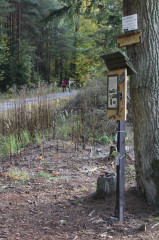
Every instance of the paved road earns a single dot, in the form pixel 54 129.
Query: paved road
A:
pixel 27 101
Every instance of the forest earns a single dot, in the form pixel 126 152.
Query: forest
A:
pixel 57 144
pixel 55 39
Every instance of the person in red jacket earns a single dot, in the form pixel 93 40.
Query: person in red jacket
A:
pixel 64 85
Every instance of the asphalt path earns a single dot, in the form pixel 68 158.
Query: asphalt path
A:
pixel 27 101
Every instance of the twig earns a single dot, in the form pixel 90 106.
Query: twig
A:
pixel 155 225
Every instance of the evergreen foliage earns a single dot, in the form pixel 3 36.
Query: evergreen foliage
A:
pixel 53 40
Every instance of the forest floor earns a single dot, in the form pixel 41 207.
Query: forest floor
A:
pixel 58 203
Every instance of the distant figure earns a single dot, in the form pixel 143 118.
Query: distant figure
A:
pixel 64 85
pixel 70 83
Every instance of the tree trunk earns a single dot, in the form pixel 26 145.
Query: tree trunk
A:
pixel 56 68
pixel 11 24
pixel 18 27
pixel 48 59
pixel 144 91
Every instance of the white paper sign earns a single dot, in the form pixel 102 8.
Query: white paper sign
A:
pixel 112 92
pixel 129 23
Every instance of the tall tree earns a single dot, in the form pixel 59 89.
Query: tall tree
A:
pixel 67 45
pixel 93 24
pixel 145 96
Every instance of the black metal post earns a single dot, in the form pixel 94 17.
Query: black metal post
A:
pixel 120 191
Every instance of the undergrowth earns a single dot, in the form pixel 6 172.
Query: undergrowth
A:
pixel 24 92
pixel 81 120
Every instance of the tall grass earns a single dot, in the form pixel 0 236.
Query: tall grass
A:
pixel 41 90
pixel 13 143
pixel 81 120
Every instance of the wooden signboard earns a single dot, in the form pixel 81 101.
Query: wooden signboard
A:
pixel 117 94
pixel 129 39
pixel 119 68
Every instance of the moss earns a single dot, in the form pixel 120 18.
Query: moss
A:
pixel 155 176
pixel 156 219
pixel 113 154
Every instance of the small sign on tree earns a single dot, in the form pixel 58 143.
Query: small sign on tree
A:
pixel 131 33
pixel 129 23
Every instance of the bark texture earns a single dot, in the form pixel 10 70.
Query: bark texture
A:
pixel 145 96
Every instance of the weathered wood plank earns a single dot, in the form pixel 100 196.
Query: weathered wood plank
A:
pixel 118 60
pixel 127 40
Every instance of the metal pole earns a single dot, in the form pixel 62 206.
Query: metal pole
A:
pixel 120 191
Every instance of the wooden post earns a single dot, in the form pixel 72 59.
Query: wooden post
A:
pixel 119 68
pixel 120 191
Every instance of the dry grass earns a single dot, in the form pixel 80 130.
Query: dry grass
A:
pixel 41 90
pixel 80 120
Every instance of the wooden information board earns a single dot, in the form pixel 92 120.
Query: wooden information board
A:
pixel 129 39
pixel 119 68
pixel 117 94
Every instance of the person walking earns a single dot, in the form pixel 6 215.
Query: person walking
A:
pixel 64 85
pixel 69 84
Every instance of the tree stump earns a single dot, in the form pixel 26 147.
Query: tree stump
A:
pixel 106 185
pixel 112 149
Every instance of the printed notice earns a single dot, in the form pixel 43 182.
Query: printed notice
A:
pixel 112 92
pixel 129 23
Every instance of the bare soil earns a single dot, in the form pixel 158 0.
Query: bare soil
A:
pixel 61 204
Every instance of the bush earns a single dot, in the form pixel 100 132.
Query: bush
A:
pixel 91 104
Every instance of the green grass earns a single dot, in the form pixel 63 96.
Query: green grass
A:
pixel 66 127
pixel 19 174
pixel 43 174
pixel 156 219
pixel 25 139
pixel 9 144
pixel 113 155
pixel 12 144
pixel 22 125
pixel 102 138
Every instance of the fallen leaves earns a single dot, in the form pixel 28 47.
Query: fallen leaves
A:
pixel 39 158
pixel 57 156
pixel 54 174
pixel 12 176
pixel 64 207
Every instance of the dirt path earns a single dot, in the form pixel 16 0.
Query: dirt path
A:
pixel 11 104
pixel 59 203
